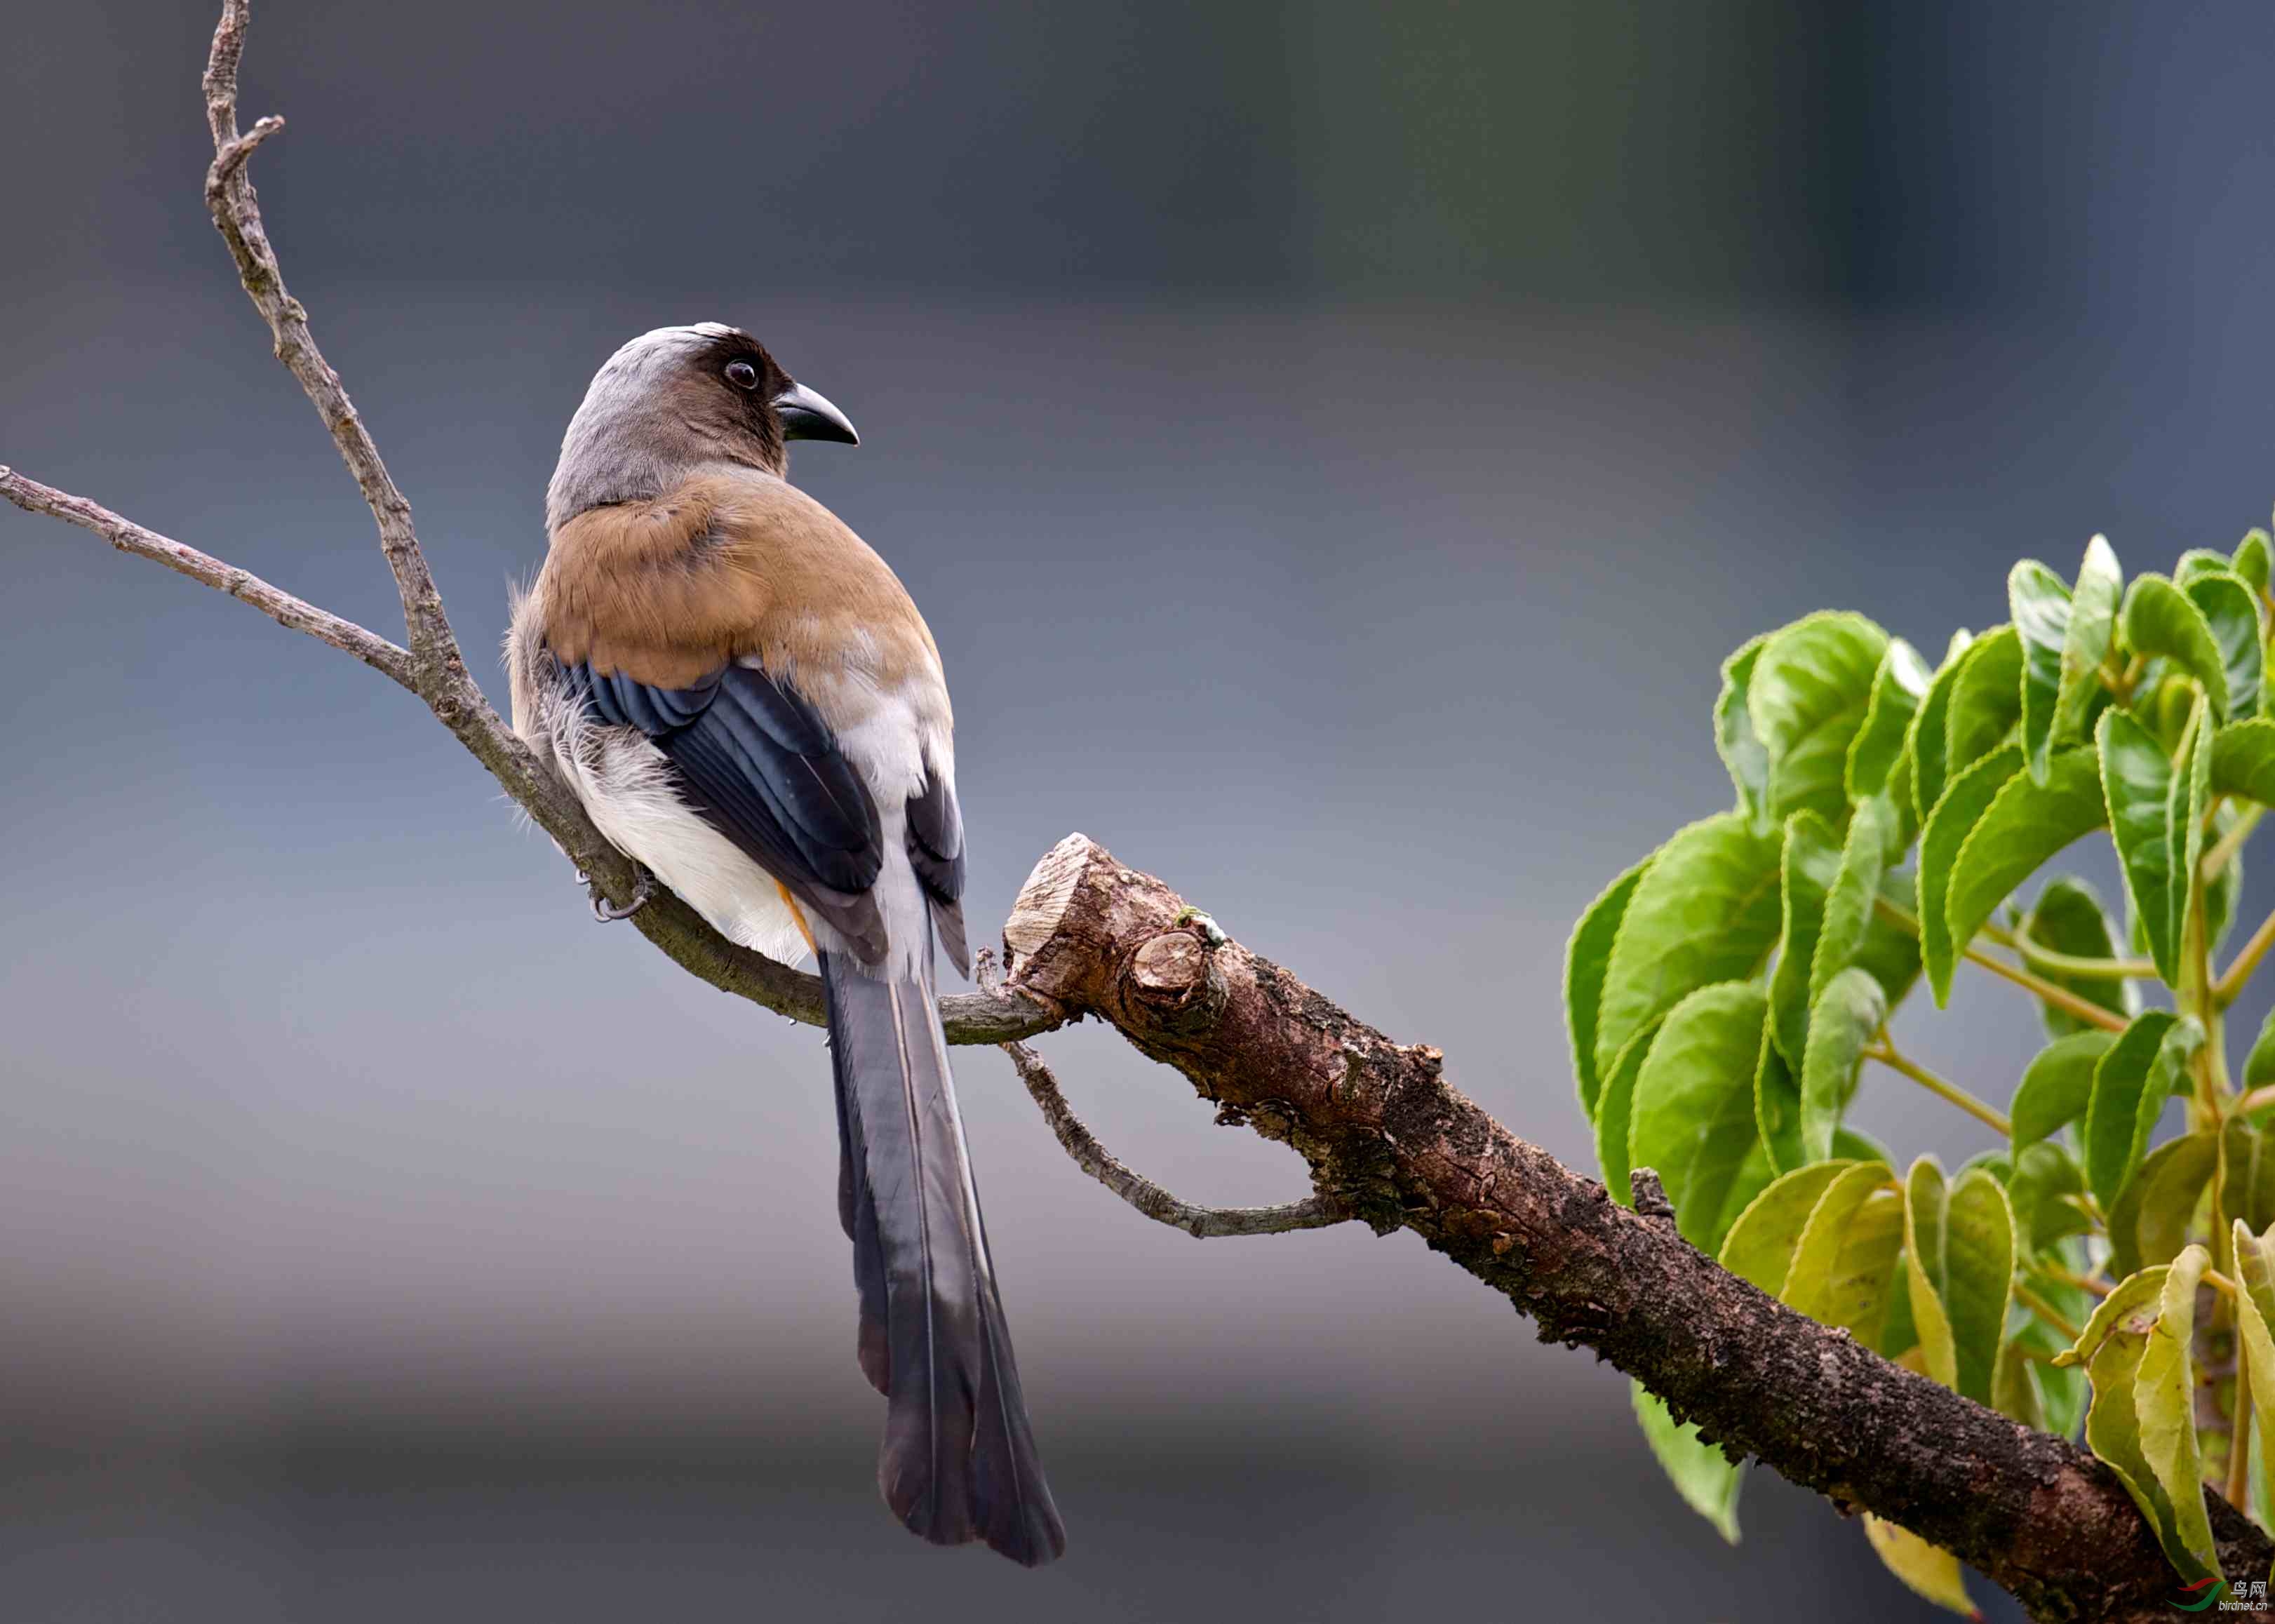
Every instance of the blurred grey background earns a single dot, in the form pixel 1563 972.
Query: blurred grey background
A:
pixel 1333 444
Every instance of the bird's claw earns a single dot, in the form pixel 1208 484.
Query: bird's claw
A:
pixel 607 913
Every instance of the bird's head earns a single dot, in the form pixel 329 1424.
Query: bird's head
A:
pixel 675 399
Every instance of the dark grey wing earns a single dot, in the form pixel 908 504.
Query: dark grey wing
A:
pixel 936 852
pixel 758 764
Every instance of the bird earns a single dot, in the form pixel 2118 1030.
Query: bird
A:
pixel 747 701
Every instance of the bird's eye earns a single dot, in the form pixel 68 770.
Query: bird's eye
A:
pixel 742 374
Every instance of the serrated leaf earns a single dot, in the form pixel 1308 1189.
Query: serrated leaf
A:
pixel 2040 604
pixel 1928 1572
pixel 2150 1223
pixel 1735 739
pixel 2198 562
pixel 2251 558
pixel 2246 1175
pixel 1891 951
pixel 2244 761
pixel 1923 741
pixel 1754 1175
pixel 2171 1188
pixel 2130 1086
pixel 2163 1396
pixel 1987 702
pixel 1925 1198
pixel 2068 919
pixel 2259 1064
pixel 2230 610
pixel 1706 909
pixel 1846 1258
pixel 1898 687
pixel 1615 1112
pixel 1760 1245
pixel 1841 1023
pixel 2223 891
pixel 1848 902
pixel 2026 823
pixel 1585 958
pixel 1777 1106
pixel 1849 1144
pixel 2057 1085
pixel 2255 1273
pixel 1964 805
pixel 2013 1394
pixel 1707 1479
pixel 2160 618
pixel 1979 1253
pixel 2086 642
pixel 1693 1102
pixel 1808 695
pixel 2112 1349
pixel 1812 861
pixel 2156 813
pixel 2043 1189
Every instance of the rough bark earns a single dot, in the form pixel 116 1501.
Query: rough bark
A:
pixel 1390 1140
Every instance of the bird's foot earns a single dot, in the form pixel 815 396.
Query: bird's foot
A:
pixel 606 912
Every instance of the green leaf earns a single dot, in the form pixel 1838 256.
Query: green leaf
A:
pixel 2068 919
pixel 2259 1065
pixel 2244 761
pixel 2150 1223
pixel 2231 610
pixel 1846 1259
pixel 1925 1201
pixel 1777 1106
pixel 1706 909
pixel 2198 562
pixel 1735 739
pixel 2224 892
pixel 2246 1175
pixel 1987 702
pixel 1963 805
pixel 2254 1272
pixel 1707 1479
pixel 2111 1347
pixel 1848 902
pixel 1760 1245
pixel 1812 860
pixel 2013 1394
pixel 1754 1175
pixel 2026 824
pixel 1841 1023
pixel 2161 619
pixel 1928 1572
pixel 2040 604
pixel 1615 1112
pixel 2043 1189
pixel 1693 1102
pixel 2251 555
pixel 2085 644
pixel 2057 1086
pixel 1585 958
pixel 1898 687
pixel 2130 1086
pixel 1808 695
pixel 2157 820
pixel 2163 1396
pixel 1891 951
pixel 1850 1146
pixel 1924 743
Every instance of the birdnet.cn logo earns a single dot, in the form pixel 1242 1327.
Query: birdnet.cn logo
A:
pixel 2217 1595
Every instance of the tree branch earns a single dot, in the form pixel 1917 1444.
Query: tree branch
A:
pixel 1388 1139
pixel 1144 1195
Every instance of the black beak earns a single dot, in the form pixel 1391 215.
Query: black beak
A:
pixel 806 414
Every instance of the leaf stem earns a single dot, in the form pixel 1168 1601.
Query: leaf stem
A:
pixel 2247 960
pixel 2239 1445
pixel 2060 997
pixel 1885 1052
pixel 2047 1311
pixel 2083 1282
pixel 2257 1099
pixel 2230 844
pixel 2089 969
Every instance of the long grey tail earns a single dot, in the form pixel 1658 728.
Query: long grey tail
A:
pixel 959 1461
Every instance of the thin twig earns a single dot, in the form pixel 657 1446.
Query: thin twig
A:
pixel 2231 842
pixel 2047 1311
pixel 2085 1009
pixel 2087 969
pixel 2246 960
pixel 1140 1191
pixel 280 606
pixel 1989 1116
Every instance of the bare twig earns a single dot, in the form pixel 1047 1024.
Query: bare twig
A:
pixel 281 607
pixel 1141 1192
